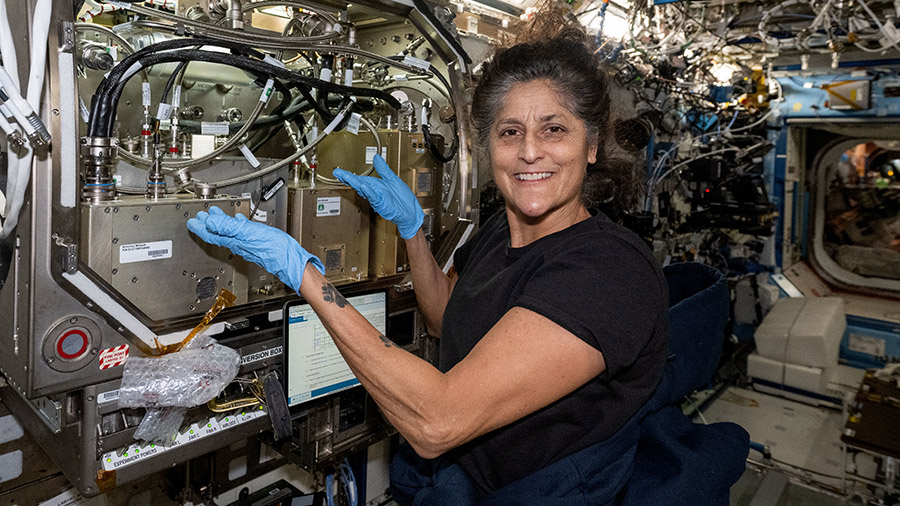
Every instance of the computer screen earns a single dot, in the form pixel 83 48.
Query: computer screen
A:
pixel 313 366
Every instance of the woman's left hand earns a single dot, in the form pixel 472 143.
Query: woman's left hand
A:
pixel 267 247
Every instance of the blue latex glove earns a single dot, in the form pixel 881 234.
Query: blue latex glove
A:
pixel 389 196
pixel 267 247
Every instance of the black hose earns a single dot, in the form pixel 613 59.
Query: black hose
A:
pixel 101 107
pixel 256 66
pixel 426 132
pixel 115 75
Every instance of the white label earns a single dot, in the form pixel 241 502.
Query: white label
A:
pixel 272 61
pixel 144 251
pixel 260 215
pixel 249 155
pixel 401 77
pixel 415 62
pixel 112 395
pixel 114 52
pixel 312 135
pixel 145 94
pixel 261 355
pixel 328 206
pixel 67 498
pixel 868 345
pixel 353 123
pixel 214 128
pixel 267 91
pixel 164 111
pixel 472 25
pixel 371 151
pixel 176 97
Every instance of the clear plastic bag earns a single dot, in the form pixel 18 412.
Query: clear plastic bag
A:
pixel 186 378
pixel 169 384
pixel 160 425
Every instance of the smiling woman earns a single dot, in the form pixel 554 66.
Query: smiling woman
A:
pixel 553 329
pixel 539 154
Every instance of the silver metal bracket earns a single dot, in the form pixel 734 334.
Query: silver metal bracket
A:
pixel 66 36
pixel 50 411
pixel 70 258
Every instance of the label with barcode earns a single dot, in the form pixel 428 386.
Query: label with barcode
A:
pixel 371 151
pixel 112 395
pixel 144 251
pixel 353 123
pixel 145 94
pixel 176 97
pixel 328 206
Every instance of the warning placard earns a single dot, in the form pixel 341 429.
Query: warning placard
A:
pixel 112 357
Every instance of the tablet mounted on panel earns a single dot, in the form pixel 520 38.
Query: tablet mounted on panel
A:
pixel 313 366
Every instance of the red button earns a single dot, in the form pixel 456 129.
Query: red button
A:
pixel 72 340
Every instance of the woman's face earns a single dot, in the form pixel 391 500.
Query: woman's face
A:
pixel 539 152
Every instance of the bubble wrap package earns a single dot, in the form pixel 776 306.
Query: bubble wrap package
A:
pixel 160 425
pixel 186 378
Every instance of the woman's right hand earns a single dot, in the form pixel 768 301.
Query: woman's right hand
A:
pixel 388 195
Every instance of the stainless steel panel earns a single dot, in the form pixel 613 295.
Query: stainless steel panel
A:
pixel 143 249
pixel 407 156
pixel 340 240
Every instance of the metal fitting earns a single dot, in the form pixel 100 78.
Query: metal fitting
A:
pixel 95 57
pixel 16 138
pixel 205 190
pixel 156 180
pixel 183 177
pixel 98 157
pixel 235 16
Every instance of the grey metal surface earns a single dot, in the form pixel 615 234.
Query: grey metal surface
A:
pixel 770 490
pixel 131 241
pixel 341 239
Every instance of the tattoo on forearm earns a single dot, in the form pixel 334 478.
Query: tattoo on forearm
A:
pixel 387 342
pixel 330 294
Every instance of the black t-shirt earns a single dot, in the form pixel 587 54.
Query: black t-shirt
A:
pixel 597 280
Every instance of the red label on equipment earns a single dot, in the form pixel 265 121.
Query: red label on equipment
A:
pixel 112 357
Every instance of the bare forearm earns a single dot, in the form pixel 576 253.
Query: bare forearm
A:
pixel 432 286
pixel 404 386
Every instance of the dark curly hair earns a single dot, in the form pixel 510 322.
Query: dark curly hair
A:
pixel 566 60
